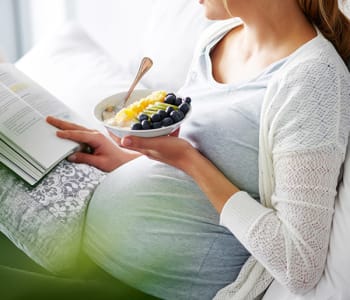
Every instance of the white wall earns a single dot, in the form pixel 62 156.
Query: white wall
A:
pixel 8 31
pixel 46 17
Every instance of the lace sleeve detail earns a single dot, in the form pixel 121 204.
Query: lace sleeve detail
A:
pixel 308 136
pixel 292 241
pixel 307 128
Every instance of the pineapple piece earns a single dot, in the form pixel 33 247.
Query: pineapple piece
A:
pixel 126 116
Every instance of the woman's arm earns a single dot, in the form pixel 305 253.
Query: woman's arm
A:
pixel 290 238
pixel 308 123
pixel 104 153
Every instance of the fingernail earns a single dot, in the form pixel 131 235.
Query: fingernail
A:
pixel 60 133
pixel 71 157
pixel 127 142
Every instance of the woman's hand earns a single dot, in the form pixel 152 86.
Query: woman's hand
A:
pixel 104 153
pixel 171 150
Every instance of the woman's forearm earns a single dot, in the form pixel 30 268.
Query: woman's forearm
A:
pixel 209 178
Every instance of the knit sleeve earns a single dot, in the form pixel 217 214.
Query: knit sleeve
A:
pixel 308 136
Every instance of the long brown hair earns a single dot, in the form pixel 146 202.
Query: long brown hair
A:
pixel 331 21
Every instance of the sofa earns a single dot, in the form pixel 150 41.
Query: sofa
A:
pixel 97 54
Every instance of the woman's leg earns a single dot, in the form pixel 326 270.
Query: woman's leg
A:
pixel 21 278
pixel 30 215
pixel 13 257
pixel 46 220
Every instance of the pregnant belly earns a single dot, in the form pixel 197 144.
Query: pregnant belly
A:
pixel 149 225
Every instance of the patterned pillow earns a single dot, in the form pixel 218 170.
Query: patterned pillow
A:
pixel 46 221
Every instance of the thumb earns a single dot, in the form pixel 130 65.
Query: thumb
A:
pixel 139 143
pixel 130 142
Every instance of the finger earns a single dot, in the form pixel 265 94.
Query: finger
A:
pixel 84 158
pixel 92 138
pixel 63 124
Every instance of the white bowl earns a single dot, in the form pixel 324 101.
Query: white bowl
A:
pixel 123 131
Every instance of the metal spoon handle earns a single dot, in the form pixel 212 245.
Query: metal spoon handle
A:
pixel 145 65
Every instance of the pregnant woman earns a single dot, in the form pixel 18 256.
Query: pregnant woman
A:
pixel 248 184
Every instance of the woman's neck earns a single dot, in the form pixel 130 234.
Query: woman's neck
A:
pixel 260 41
pixel 280 27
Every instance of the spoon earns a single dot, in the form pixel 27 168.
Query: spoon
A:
pixel 110 111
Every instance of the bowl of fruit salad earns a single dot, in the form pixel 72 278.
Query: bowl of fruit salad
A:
pixel 147 113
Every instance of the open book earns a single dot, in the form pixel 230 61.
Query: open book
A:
pixel 28 144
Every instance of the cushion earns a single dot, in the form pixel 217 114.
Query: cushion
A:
pixel 164 30
pixel 119 26
pixel 171 44
pixel 74 68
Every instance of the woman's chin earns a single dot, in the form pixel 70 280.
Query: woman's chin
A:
pixel 213 17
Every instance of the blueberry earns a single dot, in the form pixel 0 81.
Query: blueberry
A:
pixel 142 117
pixel 155 118
pixel 188 100
pixel 167 121
pixel 182 115
pixel 170 99
pixel 168 110
pixel 136 126
pixel 162 113
pixel 184 107
pixel 156 125
pixel 177 116
pixel 178 101
pixel 146 124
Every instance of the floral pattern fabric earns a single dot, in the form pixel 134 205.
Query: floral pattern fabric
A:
pixel 46 221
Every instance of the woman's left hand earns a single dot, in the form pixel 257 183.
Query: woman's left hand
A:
pixel 171 149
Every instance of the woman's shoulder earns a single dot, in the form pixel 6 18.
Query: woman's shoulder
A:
pixel 310 96
pixel 314 70
pixel 313 57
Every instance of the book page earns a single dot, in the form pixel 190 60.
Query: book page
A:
pixel 23 124
pixel 33 94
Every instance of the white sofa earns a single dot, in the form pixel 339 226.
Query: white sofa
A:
pixel 99 55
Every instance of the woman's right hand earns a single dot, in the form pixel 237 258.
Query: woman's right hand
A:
pixel 103 154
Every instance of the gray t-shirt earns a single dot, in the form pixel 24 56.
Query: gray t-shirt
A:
pixel 224 124
pixel 154 216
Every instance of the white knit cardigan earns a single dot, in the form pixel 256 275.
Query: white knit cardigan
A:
pixel 304 128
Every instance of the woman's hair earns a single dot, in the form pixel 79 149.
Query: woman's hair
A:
pixel 329 19
pixel 333 24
